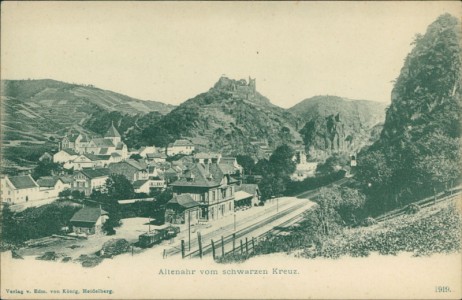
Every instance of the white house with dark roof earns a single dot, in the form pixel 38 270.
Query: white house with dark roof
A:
pixel 89 220
pixel 19 189
pixel 209 186
pixel 64 156
pixel 247 195
pixel 87 180
pixel 132 169
pixel 182 146
pixel 51 186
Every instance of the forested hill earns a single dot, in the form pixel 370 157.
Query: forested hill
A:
pixel 418 152
pixel 333 124
pixel 231 117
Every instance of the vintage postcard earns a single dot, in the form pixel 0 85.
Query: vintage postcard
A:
pixel 231 150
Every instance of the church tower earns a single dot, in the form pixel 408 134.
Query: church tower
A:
pixel 113 135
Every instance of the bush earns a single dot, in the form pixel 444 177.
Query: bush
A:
pixel 369 221
pixel 412 209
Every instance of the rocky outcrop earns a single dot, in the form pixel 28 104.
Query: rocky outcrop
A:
pixel 334 124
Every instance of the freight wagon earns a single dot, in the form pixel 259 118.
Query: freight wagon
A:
pixel 156 236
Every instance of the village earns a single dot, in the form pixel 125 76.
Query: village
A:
pixel 208 193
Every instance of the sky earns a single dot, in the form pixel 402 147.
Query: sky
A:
pixel 172 51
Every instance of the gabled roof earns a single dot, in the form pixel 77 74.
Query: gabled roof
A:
pixel 139 183
pixel 103 151
pixel 48 181
pixel 249 188
pixel 227 168
pixel 184 200
pixel 22 182
pixel 156 155
pixel 88 215
pixel 136 164
pixel 66 179
pixel 120 145
pixel 70 151
pixel 84 138
pixel 102 143
pixel 112 132
pixel 181 143
pixel 201 175
pixel 103 157
pixel 91 157
pixel 72 137
pixel 227 160
pixel 205 155
pixel 170 171
pixel 95 173
pixel 241 195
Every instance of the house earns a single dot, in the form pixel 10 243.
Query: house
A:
pixel 144 151
pixel 209 186
pixel 75 141
pixel 247 195
pixel 19 189
pixel 182 209
pixel 82 161
pixel 51 186
pixel 180 147
pixel 87 180
pixel 230 165
pixel 100 146
pixel 46 157
pixel 89 220
pixel 64 156
pixel 157 157
pixel 132 169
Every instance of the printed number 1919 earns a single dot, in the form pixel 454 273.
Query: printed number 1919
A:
pixel 442 289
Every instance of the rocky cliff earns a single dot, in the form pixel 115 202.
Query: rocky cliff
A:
pixel 331 124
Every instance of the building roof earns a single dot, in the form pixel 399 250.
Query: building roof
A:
pixel 102 143
pixel 112 132
pixel 156 155
pixel 103 157
pixel 120 145
pixel 70 151
pixel 205 155
pixel 72 137
pixel 48 181
pixel 227 168
pixel 84 139
pixel 184 200
pixel 139 183
pixel 181 143
pixel 241 195
pixel 66 179
pixel 203 175
pixel 23 182
pixel 88 215
pixel 227 160
pixel 139 165
pixel 103 151
pixel 92 157
pixel 95 173
pixel 249 188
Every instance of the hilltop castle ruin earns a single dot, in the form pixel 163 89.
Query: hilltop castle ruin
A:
pixel 238 88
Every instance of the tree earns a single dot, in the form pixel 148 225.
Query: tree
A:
pixel 119 187
pixel 246 162
pixel 281 160
pixel 45 168
pixel 334 163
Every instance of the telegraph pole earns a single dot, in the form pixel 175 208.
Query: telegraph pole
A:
pixel 189 229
